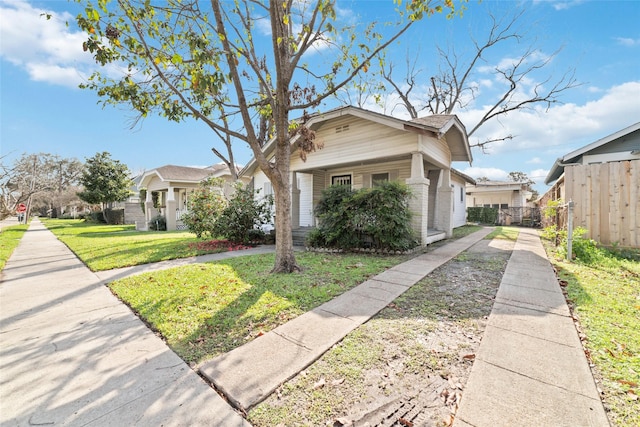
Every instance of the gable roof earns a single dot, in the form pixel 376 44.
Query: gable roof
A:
pixel 465 177
pixel 574 157
pixel 440 125
pixel 183 174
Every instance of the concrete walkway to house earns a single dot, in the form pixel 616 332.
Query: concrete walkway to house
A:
pixel 71 353
pixel 530 369
pixel 250 373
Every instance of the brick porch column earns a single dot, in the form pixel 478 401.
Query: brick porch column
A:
pixel 418 205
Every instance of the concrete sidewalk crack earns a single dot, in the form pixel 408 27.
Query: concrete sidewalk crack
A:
pixel 292 340
pixel 541 381
pixel 532 336
pixel 529 305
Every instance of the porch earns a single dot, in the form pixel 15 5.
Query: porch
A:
pixel 429 180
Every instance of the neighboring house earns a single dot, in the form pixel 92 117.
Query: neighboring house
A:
pixel 133 213
pixel 511 198
pixel 168 187
pixel 603 181
pixel 363 147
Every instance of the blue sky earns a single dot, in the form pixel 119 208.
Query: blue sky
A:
pixel 42 110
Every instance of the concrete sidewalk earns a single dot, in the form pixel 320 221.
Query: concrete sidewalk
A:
pixel 119 273
pixel 71 353
pixel 250 373
pixel 530 369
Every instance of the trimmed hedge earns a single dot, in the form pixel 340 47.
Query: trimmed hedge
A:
pixel 482 215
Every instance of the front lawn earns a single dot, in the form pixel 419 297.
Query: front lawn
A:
pixel 9 239
pixel 604 295
pixel 104 247
pixel 207 309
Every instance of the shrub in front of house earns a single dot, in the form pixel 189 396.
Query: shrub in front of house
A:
pixel 242 219
pixel 206 204
pixel 377 218
pixel 158 223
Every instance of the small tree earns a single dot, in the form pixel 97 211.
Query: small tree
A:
pixel 105 181
pixel 214 62
pixel 206 203
pixel 243 217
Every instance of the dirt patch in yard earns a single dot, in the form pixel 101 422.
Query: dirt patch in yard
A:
pixel 409 364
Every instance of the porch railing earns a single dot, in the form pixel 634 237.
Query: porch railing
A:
pixel 180 213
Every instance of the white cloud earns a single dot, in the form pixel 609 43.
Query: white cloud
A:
pixel 628 41
pixel 538 175
pixel 535 160
pixel 494 174
pixel 46 48
pixel 564 5
pixel 560 125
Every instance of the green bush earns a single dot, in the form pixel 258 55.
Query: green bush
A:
pixel 115 216
pixel 158 223
pixel 95 216
pixel 206 204
pixel 482 215
pixel 585 251
pixel 241 220
pixel 378 218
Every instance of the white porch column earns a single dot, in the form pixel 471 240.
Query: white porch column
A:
pixel 418 204
pixel 443 219
pixel 148 206
pixel 295 201
pixel 172 205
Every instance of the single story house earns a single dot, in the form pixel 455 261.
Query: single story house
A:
pixel 168 188
pixel 363 147
pixel 602 179
pixel 511 198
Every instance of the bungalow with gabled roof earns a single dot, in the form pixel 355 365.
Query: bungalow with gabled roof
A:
pixel 362 148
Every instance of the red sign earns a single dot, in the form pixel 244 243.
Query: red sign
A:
pixel 21 208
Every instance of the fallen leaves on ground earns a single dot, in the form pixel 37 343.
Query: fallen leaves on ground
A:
pixel 218 246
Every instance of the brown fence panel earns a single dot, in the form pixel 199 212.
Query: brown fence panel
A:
pixel 606 200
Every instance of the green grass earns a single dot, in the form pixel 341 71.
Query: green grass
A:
pixel 207 309
pixel 9 239
pixel 506 233
pixel 104 247
pixel 398 351
pixel 605 296
pixel 465 230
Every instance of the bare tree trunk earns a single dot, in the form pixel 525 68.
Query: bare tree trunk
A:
pixel 285 261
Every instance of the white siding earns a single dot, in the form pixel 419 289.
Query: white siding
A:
pixel 436 151
pixel 459 201
pixel 363 141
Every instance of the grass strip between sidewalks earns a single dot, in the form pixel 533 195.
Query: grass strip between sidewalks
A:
pixel 604 296
pixel 105 247
pixel 420 345
pixel 207 309
pixel 9 240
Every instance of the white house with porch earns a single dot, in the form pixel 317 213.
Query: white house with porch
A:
pixel 363 147
pixel 168 188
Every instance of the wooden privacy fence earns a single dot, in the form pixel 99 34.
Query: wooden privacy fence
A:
pixel 606 200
